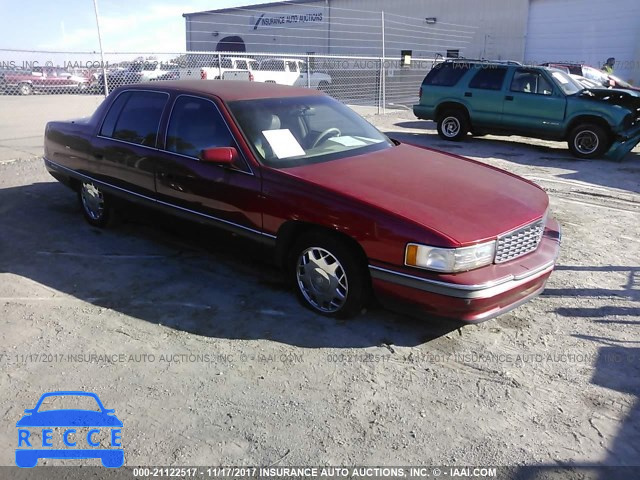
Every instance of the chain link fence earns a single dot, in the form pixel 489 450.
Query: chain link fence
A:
pixel 365 81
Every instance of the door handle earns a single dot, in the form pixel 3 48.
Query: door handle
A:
pixel 468 94
pixel 509 98
pixel 99 156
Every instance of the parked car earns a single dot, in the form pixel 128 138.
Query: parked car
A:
pixel 139 72
pixel 584 81
pixel 42 80
pixel 340 207
pixel 216 68
pixel 603 79
pixel 290 71
pixel 540 102
pixel 586 71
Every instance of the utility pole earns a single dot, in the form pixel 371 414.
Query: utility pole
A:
pixel 104 70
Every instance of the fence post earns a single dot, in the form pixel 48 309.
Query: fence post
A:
pixel 220 66
pixel 308 74
pixel 380 86
pixel 104 69
pixel 383 81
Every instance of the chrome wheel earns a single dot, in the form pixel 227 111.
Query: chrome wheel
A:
pixel 25 89
pixel 92 201
pixel 451 127
pixel 586 142
pixel 322 280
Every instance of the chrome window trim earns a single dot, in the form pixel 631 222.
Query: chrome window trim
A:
pixel 124 141
pixel 166 133
pixel 483 290
pixel 155 200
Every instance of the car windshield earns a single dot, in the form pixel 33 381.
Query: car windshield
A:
pixel 567 84
pixel 294 131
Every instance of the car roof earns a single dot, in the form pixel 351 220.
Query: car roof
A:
pixel 227 90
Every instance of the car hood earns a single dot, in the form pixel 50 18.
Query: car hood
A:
pixel 461 199
pixel 616 96
pixel 69 418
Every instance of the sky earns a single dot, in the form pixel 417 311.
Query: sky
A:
pixel 127 26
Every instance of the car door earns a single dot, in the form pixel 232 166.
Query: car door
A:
pixel 225 195
pixel 125 150
pixel 533 104
pixel 484 95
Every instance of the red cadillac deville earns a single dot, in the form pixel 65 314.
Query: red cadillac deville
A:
pixel 345 211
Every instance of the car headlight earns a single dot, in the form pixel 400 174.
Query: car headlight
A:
pixel 450 259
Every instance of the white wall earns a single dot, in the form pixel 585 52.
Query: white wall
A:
pixel 479 29
pixel 587 31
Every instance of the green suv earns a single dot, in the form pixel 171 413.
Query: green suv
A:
pixel 508 98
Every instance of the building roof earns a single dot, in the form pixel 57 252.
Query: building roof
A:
pixel 253 6
pixel 228 90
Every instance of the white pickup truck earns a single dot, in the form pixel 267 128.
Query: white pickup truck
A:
pixel 216 69
pixel 285 71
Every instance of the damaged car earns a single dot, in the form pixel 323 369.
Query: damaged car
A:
pixel 507 98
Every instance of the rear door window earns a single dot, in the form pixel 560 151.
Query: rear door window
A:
pixel 135 117
pixel 446 74
pixel 488 78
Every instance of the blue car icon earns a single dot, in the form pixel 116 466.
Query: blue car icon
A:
pixel 29 450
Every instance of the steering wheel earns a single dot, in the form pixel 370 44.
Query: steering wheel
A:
pixel 324 136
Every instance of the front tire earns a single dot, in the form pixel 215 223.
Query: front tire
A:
pixel 588 141
pixel 453 125
pixel 96 206
pixel 328 275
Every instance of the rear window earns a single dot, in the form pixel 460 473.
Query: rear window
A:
pixel 135 117
pixel 446 74
pixel 489 78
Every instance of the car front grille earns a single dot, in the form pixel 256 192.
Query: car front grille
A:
pixel 519 242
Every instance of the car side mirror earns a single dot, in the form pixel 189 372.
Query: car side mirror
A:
pixel 219 155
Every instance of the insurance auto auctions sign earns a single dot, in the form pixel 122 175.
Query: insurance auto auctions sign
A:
pixel 277 20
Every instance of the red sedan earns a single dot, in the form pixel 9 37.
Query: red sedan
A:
pixel 345 211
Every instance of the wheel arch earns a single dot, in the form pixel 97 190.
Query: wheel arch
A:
pixel 291 230
pixel 452 105
pixel 586 118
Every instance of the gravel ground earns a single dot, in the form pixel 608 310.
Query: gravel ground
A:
pixel 208 359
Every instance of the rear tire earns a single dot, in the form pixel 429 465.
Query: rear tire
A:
pixel 328 275
pixel 588 141
pixel 96 206
pixel 25 89
pixel 453 125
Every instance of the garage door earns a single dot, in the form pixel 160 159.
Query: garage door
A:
pixel 586 31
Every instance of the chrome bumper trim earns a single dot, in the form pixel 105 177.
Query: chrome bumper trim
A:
pixel 483 290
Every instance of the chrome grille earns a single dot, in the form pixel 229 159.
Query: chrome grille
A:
pixel 519 242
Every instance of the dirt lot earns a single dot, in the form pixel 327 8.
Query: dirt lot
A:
pixel 208 359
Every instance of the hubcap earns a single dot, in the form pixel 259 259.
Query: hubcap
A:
pixel 92 201
pixel 451 126
pixel 322 279
pixel 586 142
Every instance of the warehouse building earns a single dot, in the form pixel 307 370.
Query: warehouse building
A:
pixel 534 31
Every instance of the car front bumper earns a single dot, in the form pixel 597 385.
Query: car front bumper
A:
pixel 471 302
pixel 623 144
